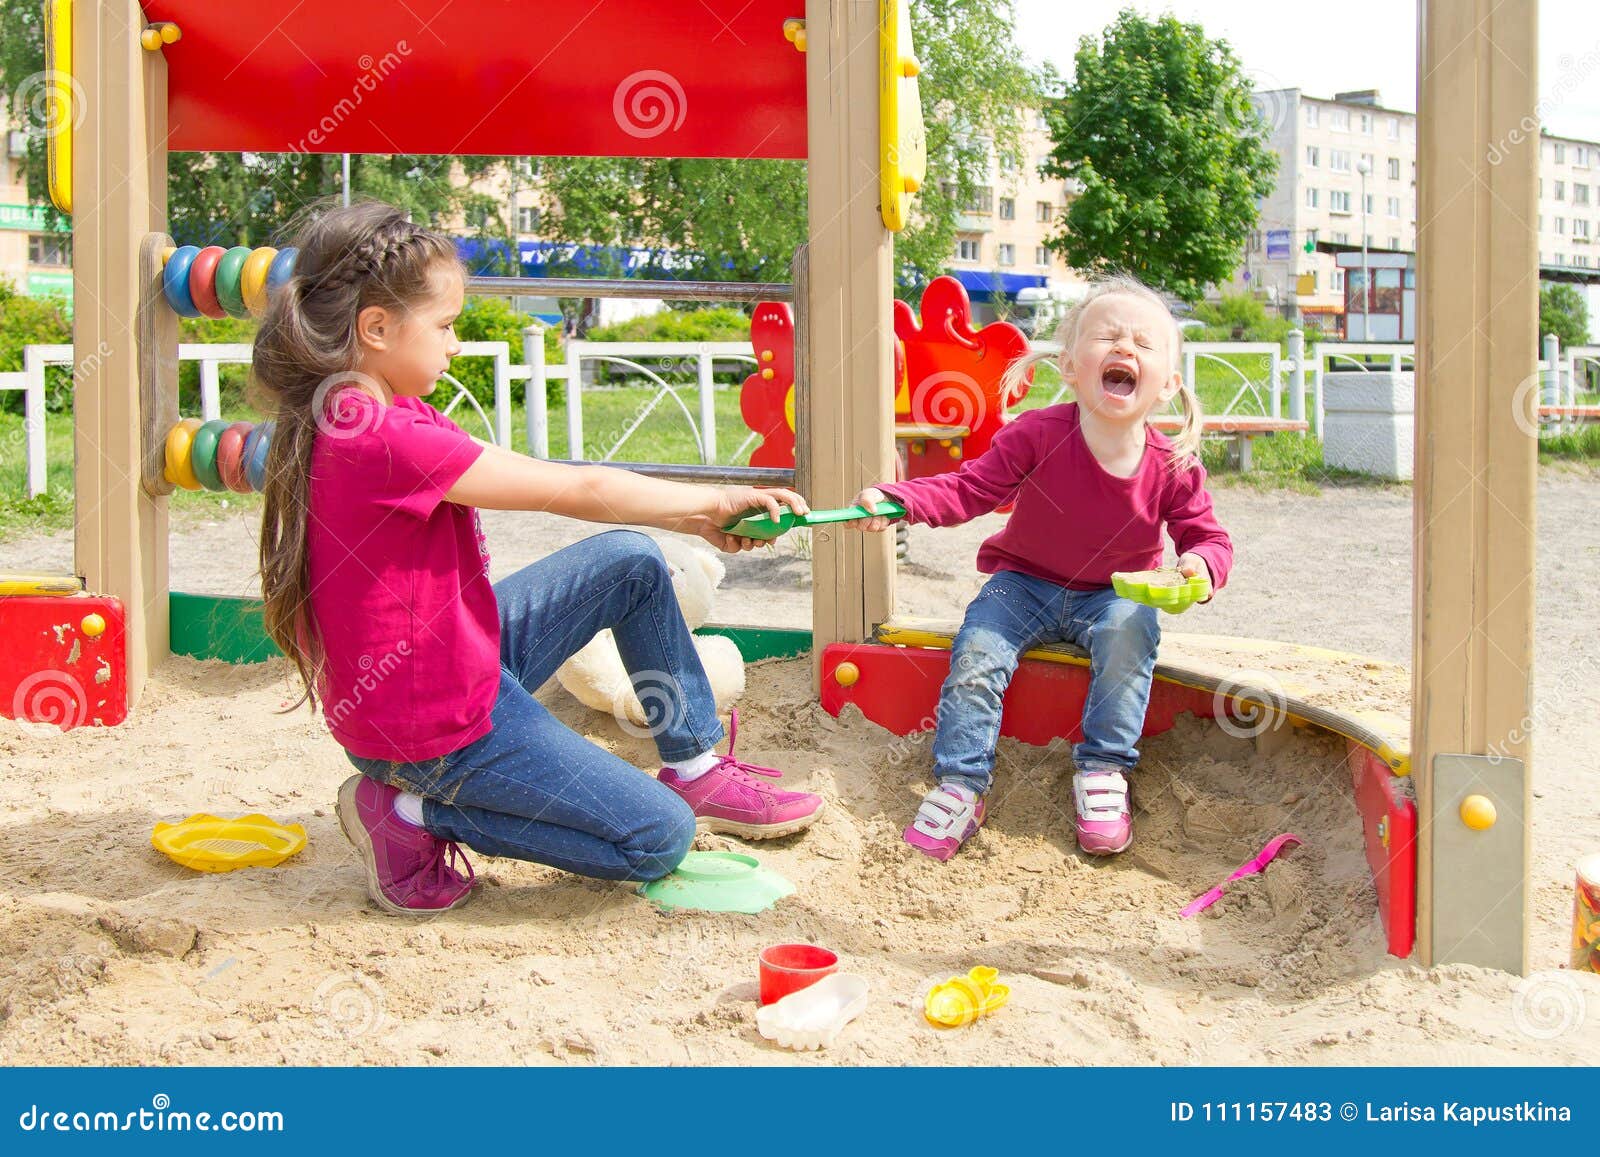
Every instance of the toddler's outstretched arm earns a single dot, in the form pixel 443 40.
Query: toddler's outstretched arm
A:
pixel 982 484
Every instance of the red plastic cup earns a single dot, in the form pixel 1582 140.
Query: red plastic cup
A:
pixel 787 968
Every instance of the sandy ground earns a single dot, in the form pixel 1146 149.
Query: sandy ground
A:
pixel 112 954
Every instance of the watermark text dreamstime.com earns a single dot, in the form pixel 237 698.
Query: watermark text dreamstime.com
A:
pixel 159 1117
pixel 372 73
pixel 1572 75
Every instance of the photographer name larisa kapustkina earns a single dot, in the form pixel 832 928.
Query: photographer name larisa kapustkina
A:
pixel 1520 1111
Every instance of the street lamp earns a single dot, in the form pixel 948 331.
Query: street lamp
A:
pixel 1363 167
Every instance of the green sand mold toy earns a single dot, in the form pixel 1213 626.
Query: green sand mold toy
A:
pixel 766 528
pixel 1165 589
pixel 718 882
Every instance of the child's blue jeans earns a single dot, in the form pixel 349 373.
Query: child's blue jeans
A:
pixel 532 788
pixel 1014 612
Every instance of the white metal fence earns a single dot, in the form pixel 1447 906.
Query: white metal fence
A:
pixel 1284 380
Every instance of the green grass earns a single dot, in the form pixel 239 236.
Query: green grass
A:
pixel 53 510
pixel 1281 462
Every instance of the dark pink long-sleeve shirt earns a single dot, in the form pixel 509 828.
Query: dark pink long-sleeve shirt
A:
pixel 1074 523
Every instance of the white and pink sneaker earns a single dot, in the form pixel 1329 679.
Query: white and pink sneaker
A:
pixel 1105 825
pixel 950 815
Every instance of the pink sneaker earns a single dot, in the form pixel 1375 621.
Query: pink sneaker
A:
pixel 1105 826
pixel 409 871
pixel 730 800
pixel 950 815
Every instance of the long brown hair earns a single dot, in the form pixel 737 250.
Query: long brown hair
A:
pixel 350 258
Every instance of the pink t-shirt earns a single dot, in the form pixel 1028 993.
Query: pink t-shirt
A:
pixel 1074 522
pixel 400 583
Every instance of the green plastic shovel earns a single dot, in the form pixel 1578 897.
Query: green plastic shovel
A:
pixel 766 528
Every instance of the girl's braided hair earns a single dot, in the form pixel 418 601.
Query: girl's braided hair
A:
pixel 351 257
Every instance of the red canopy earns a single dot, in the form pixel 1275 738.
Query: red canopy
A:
pixel 684 78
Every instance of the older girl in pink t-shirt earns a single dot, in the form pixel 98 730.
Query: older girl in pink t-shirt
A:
pixel 376 582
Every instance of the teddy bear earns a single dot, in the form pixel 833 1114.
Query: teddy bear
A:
pixel 596 677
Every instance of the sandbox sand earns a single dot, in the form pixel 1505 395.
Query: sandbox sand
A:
pixel 113 954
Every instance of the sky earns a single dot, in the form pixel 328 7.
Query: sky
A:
pixel 1351 44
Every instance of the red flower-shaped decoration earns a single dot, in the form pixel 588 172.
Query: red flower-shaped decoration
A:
pixel 766 400
pixel 946 373
pixel 954 371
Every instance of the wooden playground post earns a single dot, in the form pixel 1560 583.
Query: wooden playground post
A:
pixel 1477 166
pixel 849 331
pixel 119 195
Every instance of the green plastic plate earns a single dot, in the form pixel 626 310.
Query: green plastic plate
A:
pixel 766 528
pixel 718 882
pixel 1166 590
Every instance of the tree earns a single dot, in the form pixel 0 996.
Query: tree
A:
pixel 1563 312
pixel 1158 128
pixel 743 219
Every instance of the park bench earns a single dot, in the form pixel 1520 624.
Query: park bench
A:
pixel 1241 429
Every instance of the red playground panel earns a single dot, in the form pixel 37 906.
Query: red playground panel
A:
pixel 624 78
pixel 898 689
pixel 65 660
pixel 953 371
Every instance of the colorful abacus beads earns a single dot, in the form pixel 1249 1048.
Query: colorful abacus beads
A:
pixel 180 442
pixel 217 282
pixel 175 281
pixel 229 292
pixel 256 448
pixel 203 454
pixel 218 455
pixel 230 457
pixel 253 280
pixel 281 270
pixel 203 281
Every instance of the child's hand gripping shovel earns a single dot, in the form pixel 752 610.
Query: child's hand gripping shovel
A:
pixel 765 528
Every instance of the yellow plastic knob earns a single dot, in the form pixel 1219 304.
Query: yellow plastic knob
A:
pixel 766 355
pixel 92 625
pixel 171 33
pixel 909 66
pixel 1477 812
pixel 150 39
pixel 846 674
pixel 911 184
pixel 767 374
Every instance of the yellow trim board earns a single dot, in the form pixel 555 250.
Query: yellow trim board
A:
pixel 40 584
pixel 62 108
pixel 1385 733
pixel 902 138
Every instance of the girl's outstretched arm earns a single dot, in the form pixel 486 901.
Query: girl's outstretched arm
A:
pixel 978 487
pixel 502 479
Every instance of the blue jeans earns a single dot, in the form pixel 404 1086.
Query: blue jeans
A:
pixel 533 789
pixel 1014 612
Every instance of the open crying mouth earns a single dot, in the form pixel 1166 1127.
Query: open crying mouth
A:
pixel 1119 381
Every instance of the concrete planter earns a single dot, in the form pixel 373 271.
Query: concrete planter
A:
pixel 1369 422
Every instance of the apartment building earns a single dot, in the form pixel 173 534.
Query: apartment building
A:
pixel 1569 203
pixel 1348 171
pixel 1347 168
pixel 35 259
pixel 1000 253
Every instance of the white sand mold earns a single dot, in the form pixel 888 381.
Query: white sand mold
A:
pixel 813 1017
